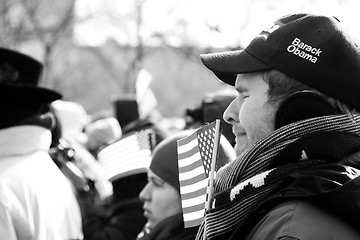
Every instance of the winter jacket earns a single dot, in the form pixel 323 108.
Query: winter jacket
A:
pixel 171 228
pixel 36 200
pixel 299 219
pixel 123 221
pixel 319 203
pixel 300 174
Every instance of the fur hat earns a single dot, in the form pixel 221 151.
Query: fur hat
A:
pixel 19 79
pixel 102 131
pixel 72 118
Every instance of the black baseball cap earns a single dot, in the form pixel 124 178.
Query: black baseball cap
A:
pixel 315 50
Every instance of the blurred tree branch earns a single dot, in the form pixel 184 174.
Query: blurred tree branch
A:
pixel 46 22
pixel 49 30
pixel 14 27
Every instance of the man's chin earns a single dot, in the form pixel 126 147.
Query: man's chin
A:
pixel 240 148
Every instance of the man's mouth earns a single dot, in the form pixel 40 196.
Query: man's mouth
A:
pixel 239 133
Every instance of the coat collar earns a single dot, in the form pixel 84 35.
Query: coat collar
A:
pixel 25 139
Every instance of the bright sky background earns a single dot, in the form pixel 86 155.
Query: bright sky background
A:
pixel 237 21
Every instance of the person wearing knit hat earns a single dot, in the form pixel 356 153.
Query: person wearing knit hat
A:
pixel 165 162
pixel 161 195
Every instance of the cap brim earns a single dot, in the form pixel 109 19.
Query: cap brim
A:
pixel 28 93
pixel 226 65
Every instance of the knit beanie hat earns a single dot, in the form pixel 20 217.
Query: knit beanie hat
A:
pixel 165 159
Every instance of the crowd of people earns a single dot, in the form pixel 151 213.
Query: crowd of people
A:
pixel 289 155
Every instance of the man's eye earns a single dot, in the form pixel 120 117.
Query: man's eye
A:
pixel 158 184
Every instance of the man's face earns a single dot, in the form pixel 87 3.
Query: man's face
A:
pixel 250 114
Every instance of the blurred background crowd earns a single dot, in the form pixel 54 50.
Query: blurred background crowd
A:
pixel 104 44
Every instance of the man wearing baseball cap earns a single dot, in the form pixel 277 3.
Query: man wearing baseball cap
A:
pixel 296 123
pixel 36 200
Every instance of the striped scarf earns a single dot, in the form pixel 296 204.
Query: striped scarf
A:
pixel 243 184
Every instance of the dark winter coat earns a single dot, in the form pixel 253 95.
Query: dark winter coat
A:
pixel 319 203
pixel 120 222
pixel 171 228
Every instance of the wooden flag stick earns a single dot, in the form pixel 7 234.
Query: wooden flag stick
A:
pixel 212 170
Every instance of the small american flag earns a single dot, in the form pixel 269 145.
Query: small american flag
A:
pixel 195 154
pixel 129 155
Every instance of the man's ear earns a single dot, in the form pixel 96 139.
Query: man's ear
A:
pixel 302 105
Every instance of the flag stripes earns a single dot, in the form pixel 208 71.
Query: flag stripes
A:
pixel 191 209
pixel 198 200
pixel 194 154
pixel 193 194
pixel 186 189
pixel 129 155
pixel 193 180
